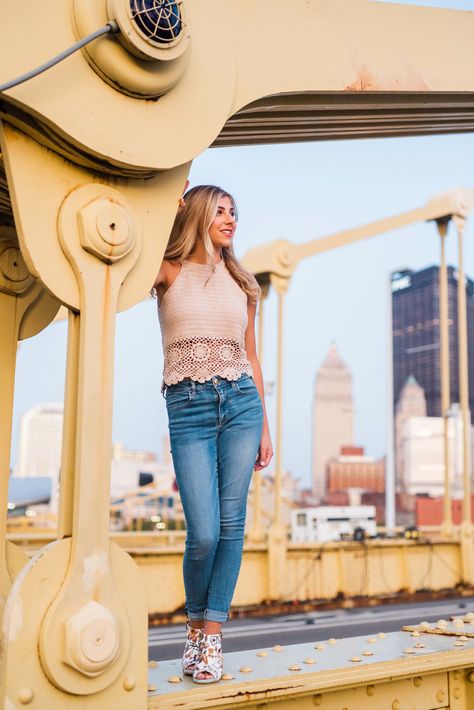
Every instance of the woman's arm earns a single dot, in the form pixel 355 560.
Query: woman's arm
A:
pixel 266 449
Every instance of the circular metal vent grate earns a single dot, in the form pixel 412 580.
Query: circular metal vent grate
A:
pixel 160 21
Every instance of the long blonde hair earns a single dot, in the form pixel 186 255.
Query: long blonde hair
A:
pixel 192 222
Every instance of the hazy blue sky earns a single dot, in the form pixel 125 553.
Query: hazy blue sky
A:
pixel 297 192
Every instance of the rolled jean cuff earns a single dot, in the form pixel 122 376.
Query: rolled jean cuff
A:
pixel 195 616
pixel 213 615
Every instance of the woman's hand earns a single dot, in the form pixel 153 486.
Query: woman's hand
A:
pixel 265 451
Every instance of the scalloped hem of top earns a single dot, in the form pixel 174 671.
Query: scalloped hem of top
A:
pixel 231 378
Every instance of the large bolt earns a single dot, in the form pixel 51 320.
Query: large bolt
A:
pixel 92 639
pixel 106 229
pixel 14 275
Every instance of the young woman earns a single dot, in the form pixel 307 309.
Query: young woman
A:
pixel 218 425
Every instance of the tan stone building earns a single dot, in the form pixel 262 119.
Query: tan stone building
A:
pixel 333 416
pixel 411 403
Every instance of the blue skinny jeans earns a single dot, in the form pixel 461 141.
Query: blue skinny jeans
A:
pixel 215 431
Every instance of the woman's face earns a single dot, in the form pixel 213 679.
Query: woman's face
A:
pixel 224 225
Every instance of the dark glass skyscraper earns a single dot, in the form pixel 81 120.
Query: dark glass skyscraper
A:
pixel 416 334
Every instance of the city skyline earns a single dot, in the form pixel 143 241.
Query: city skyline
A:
pixel 341 295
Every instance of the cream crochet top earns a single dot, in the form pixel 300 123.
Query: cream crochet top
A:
pixel 203 325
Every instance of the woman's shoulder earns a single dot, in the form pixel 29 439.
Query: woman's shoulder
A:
pixel 169 269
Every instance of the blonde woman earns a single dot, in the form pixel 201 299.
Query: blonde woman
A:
pixel 218 425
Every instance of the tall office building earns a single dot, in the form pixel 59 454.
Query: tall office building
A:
pixel 333 416
pixel 41 432
pixel 416 334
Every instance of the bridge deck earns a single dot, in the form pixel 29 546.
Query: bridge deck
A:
pixel 419 679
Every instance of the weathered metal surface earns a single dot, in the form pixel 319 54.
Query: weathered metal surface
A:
pixel 461 626
pixel 311 572
pixel 417 679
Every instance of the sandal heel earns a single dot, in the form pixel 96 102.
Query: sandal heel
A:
pixel 191 653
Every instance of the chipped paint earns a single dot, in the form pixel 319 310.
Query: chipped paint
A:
pixel 95 567
pixel 14 619
pixel 401 79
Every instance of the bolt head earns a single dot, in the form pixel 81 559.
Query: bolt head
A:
pixel 106 229
pixel 92 639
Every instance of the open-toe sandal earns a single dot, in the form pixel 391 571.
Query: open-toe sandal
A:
pixel 210 659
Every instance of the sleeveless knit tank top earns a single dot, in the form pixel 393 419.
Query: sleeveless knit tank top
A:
pixel 203 318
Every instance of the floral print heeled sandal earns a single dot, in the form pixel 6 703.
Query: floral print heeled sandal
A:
pixel 191 653
pixel 210 659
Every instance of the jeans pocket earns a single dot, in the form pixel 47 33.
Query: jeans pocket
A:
pixel 178 398
pixel 246 384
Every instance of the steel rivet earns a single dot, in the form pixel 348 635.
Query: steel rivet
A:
pixel 25 696
pixel 355 659
pixel 245 669
pixel 440 696
pixel 470 677
pixel 367 652
pixel 459 643
pixel 151 687
pixel 424 625
pixel 309 660
pixel 319 647
pixel 277 648
pixel 416 633
pixel 332 641
pixel 371 640
pixel 419 645
pixel 417 681
pixel 396 705
pixel 408 650
pixel 227 676
pixel 174 679
pixel 294 667
pixel 370 690
pixel 457 693
pixel 152 664
pixel 381 635
pixel 129 683
pixel 262 654
pixel 457 675
pixel 317 700
pixel 464 638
